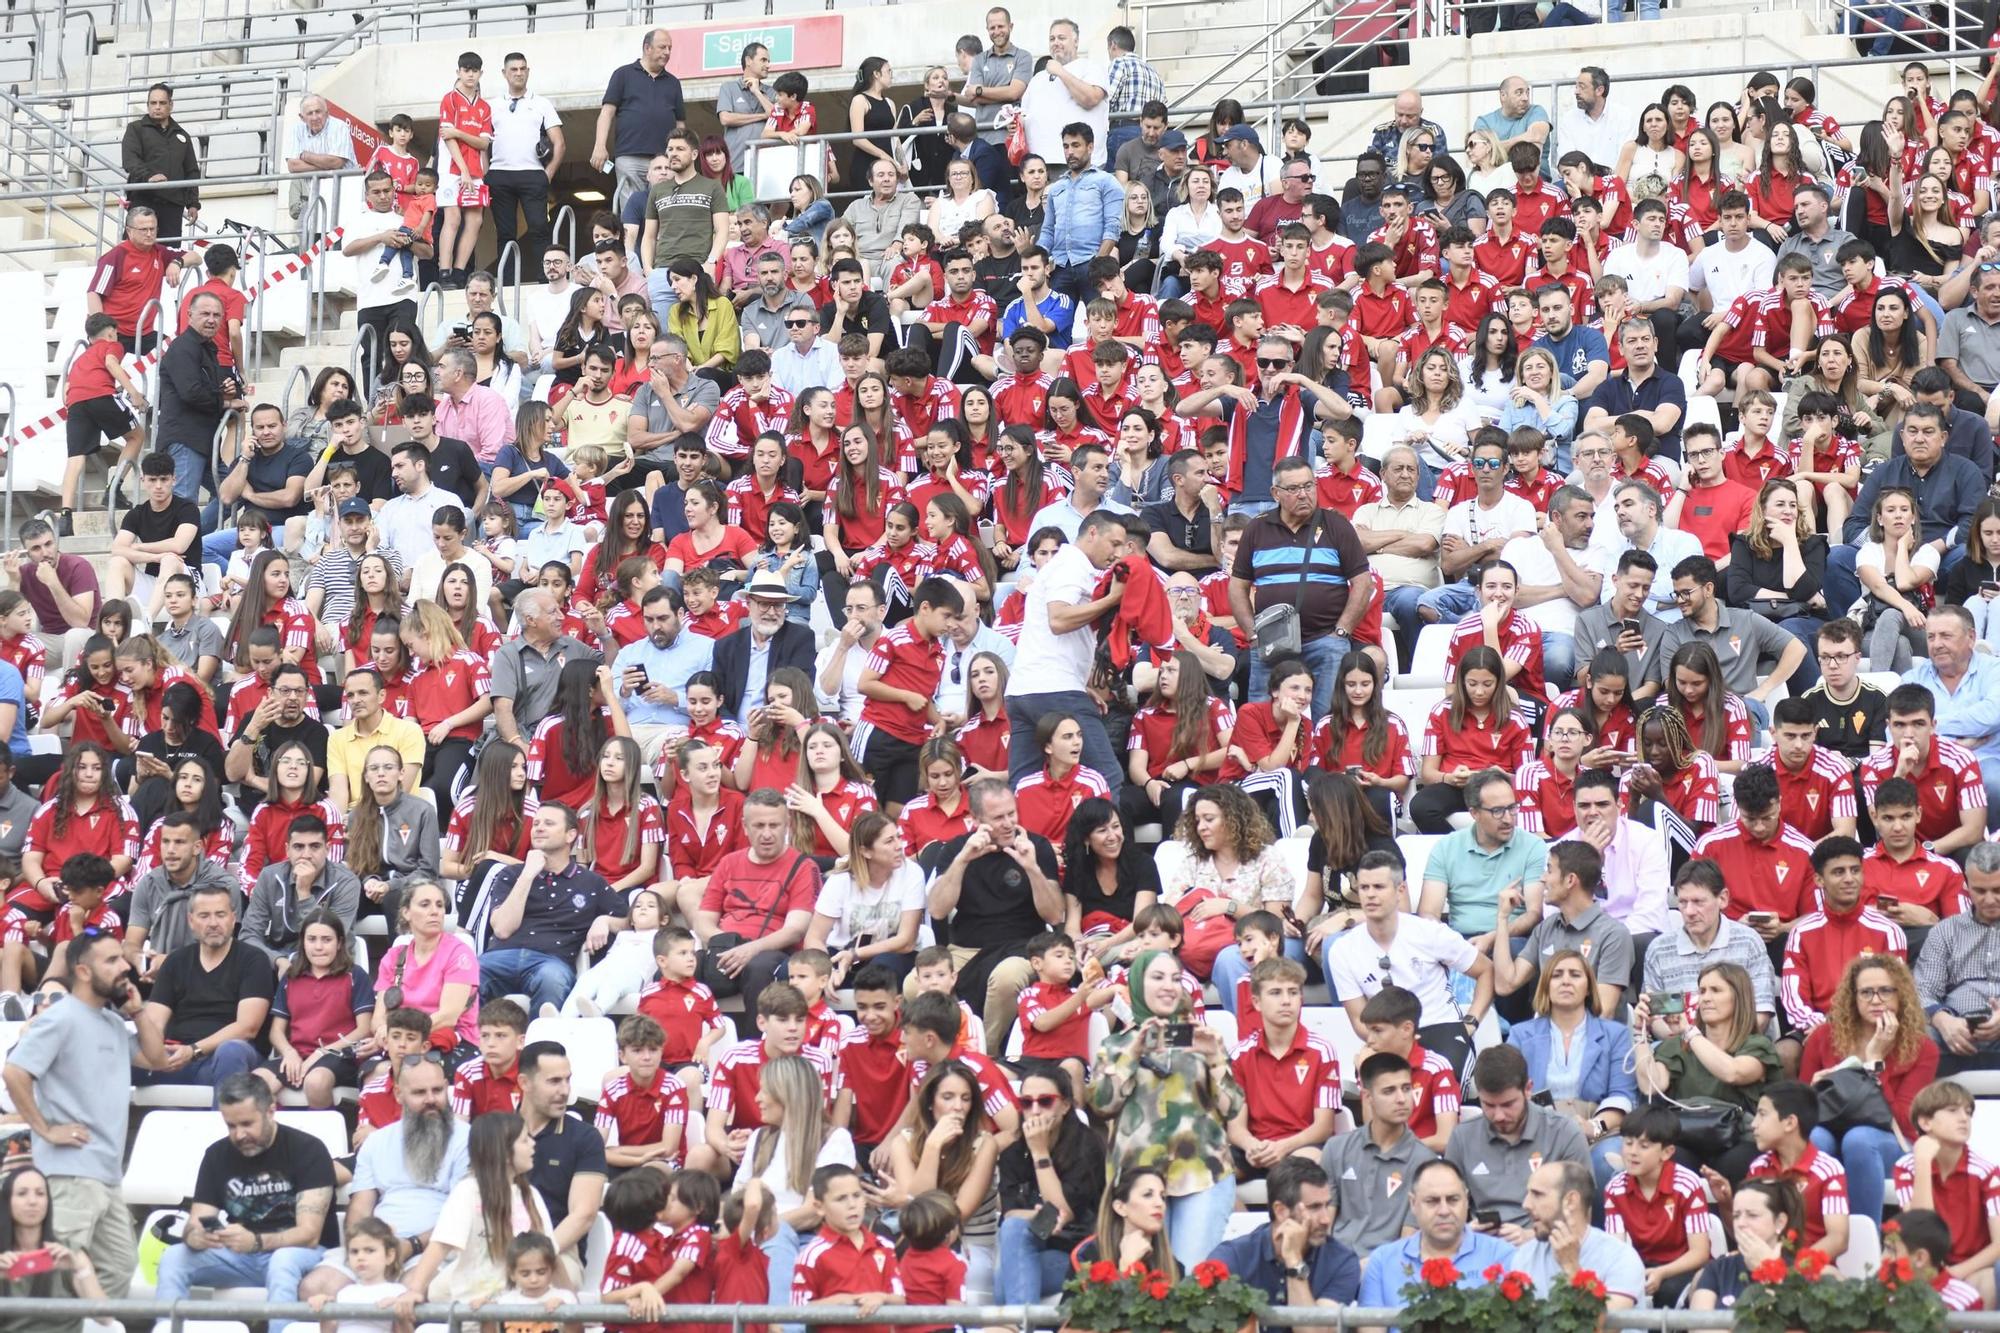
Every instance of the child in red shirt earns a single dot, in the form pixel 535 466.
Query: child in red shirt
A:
pixel 642 1113
pixel 1055 1013
pixel 493 1081
pixel 661 1246
pixel 100 398
pixel 933 1273
pixel 917 278
pixel 874 1081
pixel 742 1273
pixel 406 1032
pixel 684 1008
pixel 811 970
pixel 846 1263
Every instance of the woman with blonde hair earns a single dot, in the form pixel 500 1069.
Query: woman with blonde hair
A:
pixel 794 1141
pixel 1714 1055
pixel 1580 1057
pixel 1486 166
pixel 1539 401
pixel 450 693
pixel 964 199
pixel 1429 421
pixel 1188 227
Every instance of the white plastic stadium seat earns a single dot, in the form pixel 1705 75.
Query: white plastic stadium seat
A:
pixel 1414 707
pixel 1864 1249
pixel 1242 1222
pixel 1329 1023
pixel 1416 850
pixel 1222 1021
pixel 1427 660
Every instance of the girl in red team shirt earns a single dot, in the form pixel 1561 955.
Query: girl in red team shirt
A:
pixel 1048 796
pixel 980 425
pixel 1676 772
pixel 770 753
pixel 391 661
pixel 872 409
pixel 1362 738
pixel 377 596
pixel 458 594
pixel 984 735
pixel 1717 720
pixel 449 693
pixel 293 792
pixel 1272 745
pixel 91 696
pixel 1472 730
pixel 563 754
pixel 708 538
pixel 268 600
pixel 85 813
pixel 828 794
pixel 148 671
pixel 942 811
pixel 953 531
pixel 623 828
pixel 1028 485
pixel 1179 742
pixel 493 818
pixel 858 498
pixel 620 622
pixel 812 438
pixel 194 787
pixel 1603 698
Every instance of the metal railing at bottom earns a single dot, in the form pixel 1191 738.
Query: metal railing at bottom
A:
pixel 1340 1318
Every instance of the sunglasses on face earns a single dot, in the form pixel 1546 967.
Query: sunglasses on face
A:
pixel 1048 1102
pixel 1271 363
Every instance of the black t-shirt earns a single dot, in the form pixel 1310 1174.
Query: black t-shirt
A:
pixel 197 744
pixel 454 467
pixel 1122 903
pixel 273 472
pixel 148 524
pixel 996 906
pixel 565 1149
pixel 874 316
pixel 1853 727
pixel 204 1001
pixel 261 1193
pixel 999 276
pixel 1193 535
pixel 371 470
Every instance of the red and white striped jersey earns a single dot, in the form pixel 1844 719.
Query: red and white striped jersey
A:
pixel 1817 952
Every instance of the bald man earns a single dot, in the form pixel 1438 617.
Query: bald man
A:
pixel 644 103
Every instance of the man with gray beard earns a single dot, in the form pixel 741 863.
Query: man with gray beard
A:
pixel 404 1171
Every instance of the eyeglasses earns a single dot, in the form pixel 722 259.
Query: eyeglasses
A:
pixel 1568 734
pixel 1499 811
pixel 1048 1102
pixel 1300 176
pixel 1684 594
pixel 1694 454
pixel 1293 489
pixel 1424 147
pixel 1837 658
pixel 1489 464
pixel 1875 992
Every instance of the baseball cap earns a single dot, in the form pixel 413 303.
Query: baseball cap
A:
pixel 1238 133
pixel 560 486
pixel 1174 139
pixel 355 508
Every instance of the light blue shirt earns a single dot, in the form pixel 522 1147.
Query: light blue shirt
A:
pixel 1971 715
pixel 1081 214
pixel 672 665
pixel 1503 129
pixel 1614 1261
pixel 755 674
pixel 14 690
pixel 410 1206
pixel 1396 1265
pixel 1473 876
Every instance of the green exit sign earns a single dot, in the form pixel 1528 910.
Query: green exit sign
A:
pixel 723 51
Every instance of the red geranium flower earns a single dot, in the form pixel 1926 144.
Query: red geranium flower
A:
pixel 1511 1287
pixel 1905 1272
pixel 1771 1270
pixel 1103 1271
pixel 1587 1281
pixel 1440 1273
pixel 1157 1288
pixel 1892 1227
pixel 1811 1263
pixel 1493 1272
pixel 1210 1271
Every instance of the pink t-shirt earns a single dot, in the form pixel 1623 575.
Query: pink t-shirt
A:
pixel 424 984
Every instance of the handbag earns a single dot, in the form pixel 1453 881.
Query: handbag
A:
pixel 1708 1127
pixel 1849 1097
pixel 1277 630
pixel 708 969
pixel 1017 140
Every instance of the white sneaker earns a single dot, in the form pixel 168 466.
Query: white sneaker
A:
pixel 404 285
pixel 586 1007
pixel 379 273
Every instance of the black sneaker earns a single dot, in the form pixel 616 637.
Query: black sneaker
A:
pixel 65 524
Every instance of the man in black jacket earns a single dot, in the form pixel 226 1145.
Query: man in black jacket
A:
pixel 769 642
pixel 195 393
pixel 156 148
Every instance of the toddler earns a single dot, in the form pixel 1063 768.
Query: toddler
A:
pixel 417 205
pixel 531 1280
pixel 626 967
pixel 371 1251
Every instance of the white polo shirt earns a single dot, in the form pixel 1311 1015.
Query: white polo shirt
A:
pixel 1421 960
pixel 518 123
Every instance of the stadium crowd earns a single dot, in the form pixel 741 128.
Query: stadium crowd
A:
pixel 824 609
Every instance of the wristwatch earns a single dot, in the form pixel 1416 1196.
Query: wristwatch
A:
pixel 1299 1271
pixel 1043 1163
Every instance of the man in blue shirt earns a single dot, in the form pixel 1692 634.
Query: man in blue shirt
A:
pixel 1293 1259
pixel 652 671
pixel 1039 306
pixel 1581 354
pixel 1947 489
pixel 539 913
pixel 1440 1207
pixel 1081 216
pixel 670 501
pixel 1558 1201
pixel 1966 685
pixel 1517 117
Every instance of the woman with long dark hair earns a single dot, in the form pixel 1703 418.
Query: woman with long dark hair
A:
pixel 323 1010
pixel 1179 743
pixel 584 327
pixel 872 115
pixel 294 789
pixel 627 532
pixel 1716 1054
pixel 179 735
pixel 28 1225
pixel 714 159
pixel 1058 1160
pixel 194 787
pixel 1028 487
pixel 307 427
pixel 562 754
pixel 1765 1217
pixel 946 1148
pixel 1474 729
pixel 1888 355
pixel 378 596
pixel 1702 181
pixel 268 600
pixel 1107 880
pixel 1360 737
pixel 392 834
pixel 773 748
pixel 623 828
pixel 703 318
pixel 1716 718
pixel 493 819
pixel 85 813
pixel 1345 829
pixel 1878 173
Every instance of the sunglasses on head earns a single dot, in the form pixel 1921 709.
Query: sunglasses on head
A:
pixel 435 1057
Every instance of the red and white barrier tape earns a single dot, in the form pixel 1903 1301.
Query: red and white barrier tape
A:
pixel 293 266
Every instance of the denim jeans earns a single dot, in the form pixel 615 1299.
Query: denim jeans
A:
pixel 1322 658
pixel 1451 602
pixel 1024 756
pixel 1870 1156
pixel 781 1256
pixel 1806 630
pixel 277 1272
pixel 661 293
pixel 1117 138
pixel 232 1057
pixel 1195 1222
pixel 1028 1269
pixel 191 470
pixel 1230 968
pixel 218 546
pixel 1252 508
pixel 1401 603
pixel 543 978
pixel 1558 658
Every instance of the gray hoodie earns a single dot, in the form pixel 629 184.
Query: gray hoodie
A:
pixel 159 906
pixel 275 915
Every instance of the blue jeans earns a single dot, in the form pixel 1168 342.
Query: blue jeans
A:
pixel 1024 756
pixel 1558 658
pixel 661 293
pixel 781 1256
pixel 277 1272
pixel 1806 630
pixel 1322 658
pixel 543 978
pixel 1252 508
pixel 1401 603
pixel 1119 136
pixel 232 1057
pixel 1451 602
pixel 1870 1156
pixel 218 546
pixel 191 471
pixel 1028 1270
pixel 1230 968
pixel 1648 11
pixel 1195 1222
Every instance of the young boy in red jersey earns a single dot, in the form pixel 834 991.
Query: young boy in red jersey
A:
pixel 27 941
pixel 1782 1127
pixel 1658 1205
pixel 1901 877
pixel 811 971
pixel 1055 1012
pixel 742 1272
pixel 406 1032
pixel 916 278
pixel 1942 1174
pixel 1290 1077
pixel 707 615
pixel 1502 253
pixel 1206 295
pixel 100 397
pixel 846 1263
pixel 931 1023
pixel 1389 1023
pixel 656 1246
pixel 1921 1238
pixel 1752 457
pixel 1382 312
pixel 643 1112
pixel 493 1081
pixel 1259 935
pixel 898 686
pixel 933 1272
pixel 689 1018
pixel 874 1085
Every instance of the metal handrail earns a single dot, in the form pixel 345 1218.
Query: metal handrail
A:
pixel 215 455
pixel 567 213
pixel 299 373
pixel 316 210
pixel 500 276
pixel 424 305
pixel 13 439
pixel 111 484
pixel 362 367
